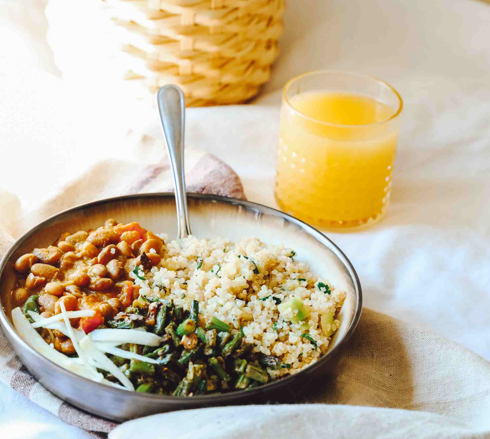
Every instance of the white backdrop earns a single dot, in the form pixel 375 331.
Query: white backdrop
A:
pixel 427 263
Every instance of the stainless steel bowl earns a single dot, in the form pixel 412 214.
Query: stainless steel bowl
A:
pixel 210 216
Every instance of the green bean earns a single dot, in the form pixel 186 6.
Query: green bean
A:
pixel 194 311
pixel 195 373
pixel 158 352
pixel 160 321
pixel 168 359
pixel 145 388
pixel 242 382
pixel 188 355
pixel 201 334
pixel 141 367
pixel 148 350
pixel 212 383
pixel 271 362
pixel 178 389
pixel 257 374
pixel 31 305
pixel 187 327
pixel 218 324
pixel 201 387
pixel 120 324
pixel 232 345
pixel 186 387
pixel 170 330
pixel 218 368
pixel 178 313
pixel 239 365
pixel 223 338
pixel 118 361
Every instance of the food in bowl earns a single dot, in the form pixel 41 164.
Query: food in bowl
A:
pixel 128 308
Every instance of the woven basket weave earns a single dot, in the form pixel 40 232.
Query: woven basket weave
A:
pixel 218 51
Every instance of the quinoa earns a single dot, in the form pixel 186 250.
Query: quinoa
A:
pixel 243 284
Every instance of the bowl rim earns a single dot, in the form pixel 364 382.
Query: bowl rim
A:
pixel 249 205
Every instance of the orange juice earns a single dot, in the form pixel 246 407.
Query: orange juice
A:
pixel 335 158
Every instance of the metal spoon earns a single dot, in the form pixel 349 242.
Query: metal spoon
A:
pixel 171 104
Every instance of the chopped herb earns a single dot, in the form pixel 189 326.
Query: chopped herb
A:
pixel 293 254
pixel 183 296
pixel 274 327
pixel 219 269
pixel 242 256
pixel 136 272
pixel 324 288
pixel 310 338
pixel 302 279
pixel 149 298
pixel 241 331
pixel 256 270
pixel 286 366
pixel 300 355
pixel 199 263
pixel 276 300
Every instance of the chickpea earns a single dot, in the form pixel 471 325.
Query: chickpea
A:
pixel 20 295
pixel 68 260
pixel 48 302
pixel 66 246
pixel 44 270
pixel 63 236
pixel 102 237
pixel 110 223
pixel 80 278
pixel 98 270
pixel 25 262
pixel 125 249
pixel 33 282
pixel 130 236
pixel 136 245
pixel 76 237
pixel 74 290
pixel 101 284
pixel 108 254
pixel 50 255
pixel 115 269
pixel 189 341
pixel 88 250
pixel 106 310
pixel 154 259
pixel 115 303
pixel 149 244
pixel 54 288
pixel 70 302
pixel 67 347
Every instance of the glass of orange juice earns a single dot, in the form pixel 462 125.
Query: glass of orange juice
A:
pixel 337 145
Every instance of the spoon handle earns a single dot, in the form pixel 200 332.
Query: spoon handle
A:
pixel 171 104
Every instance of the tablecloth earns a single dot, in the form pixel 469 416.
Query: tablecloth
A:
pixel 427 263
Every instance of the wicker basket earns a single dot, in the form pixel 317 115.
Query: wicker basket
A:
pixel 218 51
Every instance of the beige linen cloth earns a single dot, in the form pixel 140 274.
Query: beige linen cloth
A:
pixel 439 388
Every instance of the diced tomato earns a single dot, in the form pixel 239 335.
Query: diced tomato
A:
pixel 121 228
pixel 126 295
pixel 88 324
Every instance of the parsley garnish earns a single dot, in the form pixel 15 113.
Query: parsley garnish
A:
pixel 136 272
pixel 276 300
pixel 241 331
pixel 256 270
pixel 199 263
pixel 324 288
pixel 310 338
pixel 274 327
pixel 293 254
pixel 149 299
pixel 302 279
pixel 219 269
pixel 241 256
pixel 285 366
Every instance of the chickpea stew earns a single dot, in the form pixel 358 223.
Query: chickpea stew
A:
pixel 123 306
